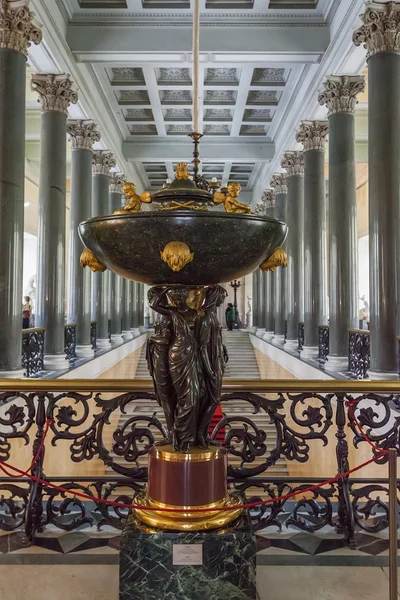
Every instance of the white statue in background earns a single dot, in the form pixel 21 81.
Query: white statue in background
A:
pixel 248 312
pixel 30 291
pixel 363 313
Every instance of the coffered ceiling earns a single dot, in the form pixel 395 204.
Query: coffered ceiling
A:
pixel 261 65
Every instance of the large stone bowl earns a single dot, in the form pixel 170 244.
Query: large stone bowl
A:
pixel 226 246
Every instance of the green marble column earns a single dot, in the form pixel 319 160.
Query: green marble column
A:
pixel 83 134
pixel 102 162
pixel 55 95
pixel 115 282
pixel 12 172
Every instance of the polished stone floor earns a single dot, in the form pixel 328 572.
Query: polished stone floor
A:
pixel 100 582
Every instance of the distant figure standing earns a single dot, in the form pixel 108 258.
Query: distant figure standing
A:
pixel 26 312
pixel 230 316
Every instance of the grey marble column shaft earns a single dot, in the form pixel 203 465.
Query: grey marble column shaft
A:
pixel 55 95
pixel 12 162
pixel 18 30
pixel 82 134
pixel 270 281
pixel 339 95
pixel 135 305
pixel 115 285
pixel 384 181
pixel 140 304
pixel 255 297
pixel 102 161
pixel 312 135
pixel 278 183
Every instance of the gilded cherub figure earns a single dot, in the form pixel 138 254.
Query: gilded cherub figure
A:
pixel 229 200
pixel 135 200
pixel 277 259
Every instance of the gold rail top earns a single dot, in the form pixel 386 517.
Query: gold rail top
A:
pixel 232 385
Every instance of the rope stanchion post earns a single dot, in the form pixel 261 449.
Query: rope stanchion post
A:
pixel 393 585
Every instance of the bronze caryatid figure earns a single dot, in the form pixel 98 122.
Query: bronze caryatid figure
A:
pixel 186 359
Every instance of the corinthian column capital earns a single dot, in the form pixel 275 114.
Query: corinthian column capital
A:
pixel 380 31
pixel 83 134
pixel 293 162
pixel 18 28
pixel 340 93
pixel 102 162
pixel 267 201
pixel 55 91
pixel 278 183
pixel 117 182
pixel 312 134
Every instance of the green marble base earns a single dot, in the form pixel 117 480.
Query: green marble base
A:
pixel 227 572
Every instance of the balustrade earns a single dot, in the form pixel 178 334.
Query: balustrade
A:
pixel 93 334
pixel 323 342
pixel 301 336
pixel 86 417
pixel 33 351
pixel 359 353
pixel 109 329
pixel 70 341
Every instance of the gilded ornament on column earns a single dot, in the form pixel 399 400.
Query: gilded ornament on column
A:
pixel 229 200
pixel 277 259
pixel 18 27
pixel 340 93
pixel 312 134
pixel 380 31
pixel 293 162
pixel 55 91
pixel 278 183
pixel 135 200
pixel 88 259
pixel 102 162
pixel 83 134
pixel 177 255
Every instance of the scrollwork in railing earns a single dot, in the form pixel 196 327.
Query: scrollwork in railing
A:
pixel 247 441
pixel 359 353
pixel 323 342
pixel 13 503
pixel 301 336
pixel 371 513
pixel 70 341
pixel 33 351
pixel 93 334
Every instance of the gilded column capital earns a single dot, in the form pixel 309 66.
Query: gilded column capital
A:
pixel 117 182
pixel 102 162
pixel 18 27
pixel 55 91
pixel 83 134
pixel 312 134
pixel 340 93
pixel 266 201
pixel 278 183
pixel 293 162
pixel 380 31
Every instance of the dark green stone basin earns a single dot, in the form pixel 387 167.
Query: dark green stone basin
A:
pixel 226 246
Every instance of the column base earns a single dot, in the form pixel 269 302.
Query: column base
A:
pixel 116 339
pixel 17 374
pixel 55 362
pixel 127 335
pixel 279 339
pixel 135 331
pixel 291 345
pixel 338 364
pixel 268 335
pixel 84 351
pixel 143 329
pixel 309 352
pixel 103 344
pixel 260 332
pixel 383 375
pixel 252 329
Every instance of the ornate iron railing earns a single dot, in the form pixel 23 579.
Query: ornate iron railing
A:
pixel 33 351
pixel 70 341
pixel 93 334
pixel 323 342
pixel 304 415
pixel 301 336
pixel 109 329
pixel 359 353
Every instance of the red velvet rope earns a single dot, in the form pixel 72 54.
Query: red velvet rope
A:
pixel 20 473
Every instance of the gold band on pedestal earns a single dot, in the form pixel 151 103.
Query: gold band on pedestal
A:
pixel 185 519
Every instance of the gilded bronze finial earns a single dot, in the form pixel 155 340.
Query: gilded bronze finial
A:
pixel 229 199
pixel 277 259
pixel 182 172
pixel 135 200
pixel 177 255
pixel 88 259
